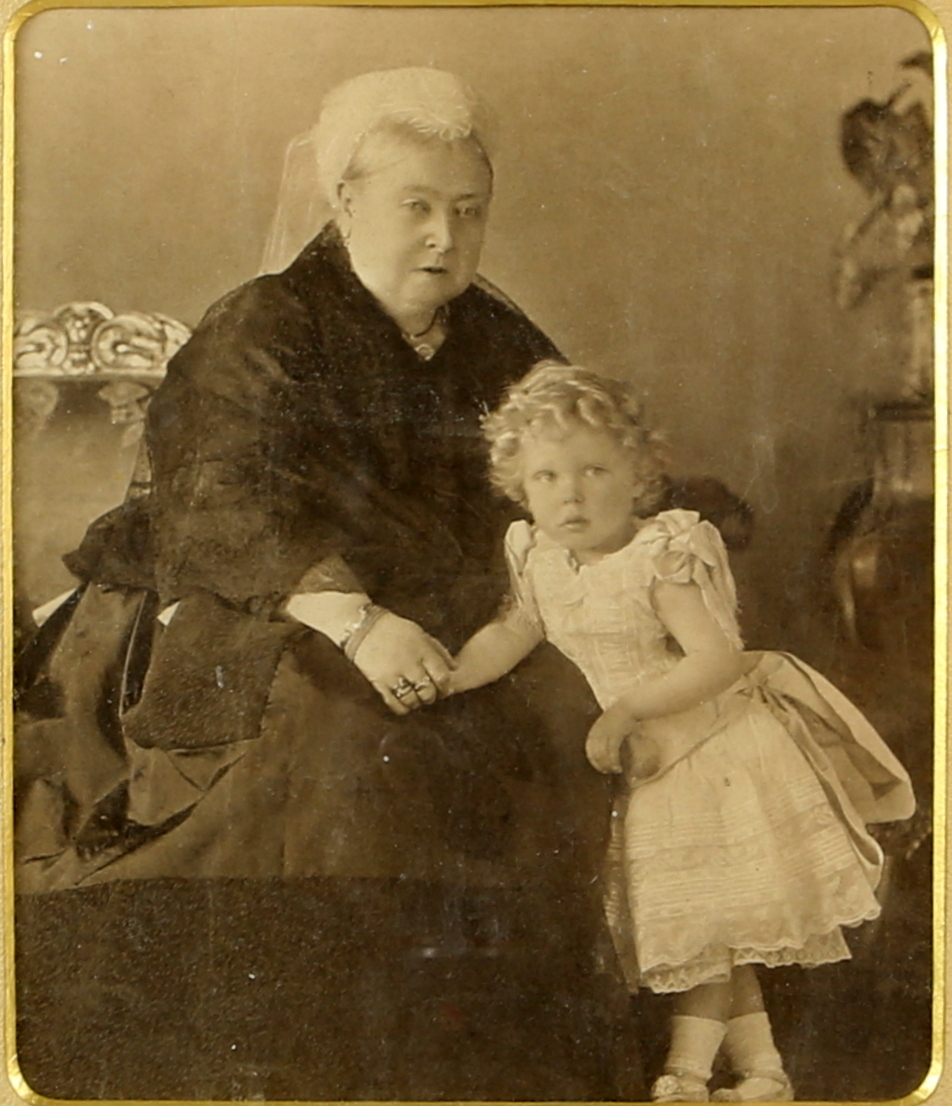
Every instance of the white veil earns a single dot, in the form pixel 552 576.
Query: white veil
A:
pixel 302 206
pixel 431 101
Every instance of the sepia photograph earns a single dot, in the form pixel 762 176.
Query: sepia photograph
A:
pixel 472 498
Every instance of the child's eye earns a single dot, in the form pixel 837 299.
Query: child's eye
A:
pixel 595 470
pixel 419 206
pixel 469 211
pixel 544 476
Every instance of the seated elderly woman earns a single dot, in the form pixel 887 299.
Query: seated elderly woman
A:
pixel 248 866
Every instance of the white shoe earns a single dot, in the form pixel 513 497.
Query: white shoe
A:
pixel 758 1086
pixel 678 1088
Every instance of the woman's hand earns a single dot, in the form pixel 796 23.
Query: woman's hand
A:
pixel 615 737
pixel 406 666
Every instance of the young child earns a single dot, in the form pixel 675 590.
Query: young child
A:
pixel 739 837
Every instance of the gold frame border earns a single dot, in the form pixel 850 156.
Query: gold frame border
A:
pixel 942 738
pixel 941 730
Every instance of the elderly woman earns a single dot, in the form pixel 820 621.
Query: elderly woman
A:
pixel 258 870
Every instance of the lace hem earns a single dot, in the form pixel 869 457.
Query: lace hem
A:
pixel 686 941
pixel 714 965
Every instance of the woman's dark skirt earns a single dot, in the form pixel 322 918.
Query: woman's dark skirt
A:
pixel 307 989
pixel 358 908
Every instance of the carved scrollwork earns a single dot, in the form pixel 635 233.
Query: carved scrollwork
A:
pixel 126 354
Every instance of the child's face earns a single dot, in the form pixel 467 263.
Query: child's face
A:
pixel 580 487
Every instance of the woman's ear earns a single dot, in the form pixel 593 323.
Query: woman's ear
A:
pixel 345 209
pixel 345 198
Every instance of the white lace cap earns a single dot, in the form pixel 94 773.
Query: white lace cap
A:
pixel 433 102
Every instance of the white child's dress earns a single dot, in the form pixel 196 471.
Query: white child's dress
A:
pixel 749 845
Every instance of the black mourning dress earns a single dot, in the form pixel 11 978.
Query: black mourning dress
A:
pixel 240 874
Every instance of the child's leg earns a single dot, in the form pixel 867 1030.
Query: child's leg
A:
pixel 746 995
pixel 750 1046
pixel 697 1030
pixel 709 1000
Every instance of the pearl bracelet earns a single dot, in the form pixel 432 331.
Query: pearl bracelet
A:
pixel 367 617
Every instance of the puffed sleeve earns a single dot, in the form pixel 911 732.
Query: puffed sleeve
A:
pixel 687 550
pixel 521 601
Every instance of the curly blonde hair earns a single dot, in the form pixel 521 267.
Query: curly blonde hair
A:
pixel 552 397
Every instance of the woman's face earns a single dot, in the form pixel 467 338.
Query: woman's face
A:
pixel 414 222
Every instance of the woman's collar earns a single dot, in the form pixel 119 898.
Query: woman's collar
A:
pixel 329 249
pixel 328 245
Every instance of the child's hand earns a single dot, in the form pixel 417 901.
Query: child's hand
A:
pixel 455 684
pixel 605 739
pixel 640 756
pixel 615 735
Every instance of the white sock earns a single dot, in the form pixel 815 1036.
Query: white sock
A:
pixel 694 1044
pixel 750 1045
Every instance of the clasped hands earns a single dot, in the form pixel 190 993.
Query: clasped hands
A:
pixel 409 669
